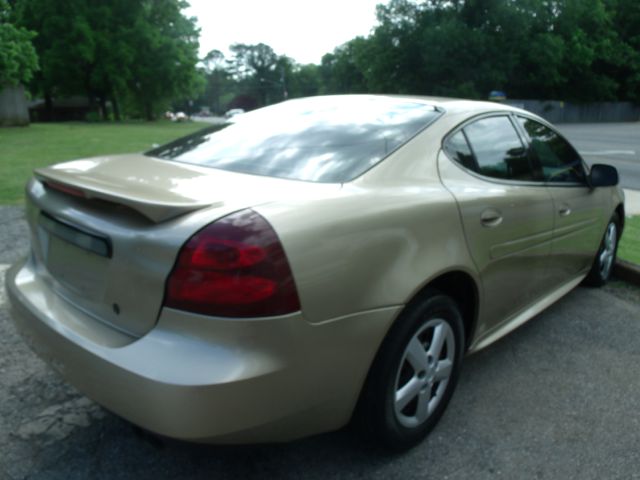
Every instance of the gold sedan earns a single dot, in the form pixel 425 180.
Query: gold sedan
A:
pixel 308 263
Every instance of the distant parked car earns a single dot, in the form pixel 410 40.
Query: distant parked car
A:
pixel 233 112
pixel 265 279
pixel 180 117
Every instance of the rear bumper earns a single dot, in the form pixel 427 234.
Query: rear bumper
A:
pixel 201 378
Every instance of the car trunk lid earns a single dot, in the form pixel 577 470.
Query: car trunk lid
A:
pixel 106 231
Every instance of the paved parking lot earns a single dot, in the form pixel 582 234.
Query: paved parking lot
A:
pixel 558 398
pixel 617 144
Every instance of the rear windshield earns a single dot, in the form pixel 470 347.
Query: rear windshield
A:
pixel 321 139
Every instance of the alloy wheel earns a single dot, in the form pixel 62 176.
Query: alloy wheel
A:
pixel 424 372
pixel 608 250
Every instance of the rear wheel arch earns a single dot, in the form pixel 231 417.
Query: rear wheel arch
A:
pixel 463 289
pixel 452 298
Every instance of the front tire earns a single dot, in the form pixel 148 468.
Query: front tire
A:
pixel 606 257
pixel 415 373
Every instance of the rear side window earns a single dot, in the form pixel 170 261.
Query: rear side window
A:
pixel 494 147
pixel 557 159
pixel 458 149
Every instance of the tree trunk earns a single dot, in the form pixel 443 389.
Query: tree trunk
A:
pixel 91 100
pixel 48 107
pixel 116 108
pixel 102 104
pixel 148 111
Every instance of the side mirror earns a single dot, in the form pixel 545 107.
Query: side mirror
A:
pixel 603 176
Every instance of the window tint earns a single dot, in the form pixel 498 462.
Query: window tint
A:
pixel 320 139
pixel 557 159
pixel 458 149
pixel 498 150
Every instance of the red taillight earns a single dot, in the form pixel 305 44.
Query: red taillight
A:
pixel 234 267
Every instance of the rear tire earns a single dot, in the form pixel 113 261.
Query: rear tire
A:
pixel 414 374
pixel 605 259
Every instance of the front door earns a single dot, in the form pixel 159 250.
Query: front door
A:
pixel 579 213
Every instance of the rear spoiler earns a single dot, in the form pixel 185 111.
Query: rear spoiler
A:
pixel 151 206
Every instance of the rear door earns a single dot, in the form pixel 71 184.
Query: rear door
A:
pixel 579 211
pixel 507 214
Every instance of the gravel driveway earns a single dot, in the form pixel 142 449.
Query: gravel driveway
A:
pixel 558 398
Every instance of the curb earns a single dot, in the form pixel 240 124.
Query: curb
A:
pixel 627 271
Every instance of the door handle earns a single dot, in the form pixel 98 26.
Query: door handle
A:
pixel 564 211
pixel 490 218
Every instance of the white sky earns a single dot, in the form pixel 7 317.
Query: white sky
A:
pixel 303 30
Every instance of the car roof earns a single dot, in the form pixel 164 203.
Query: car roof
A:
pixel 459 105
pixel 445 104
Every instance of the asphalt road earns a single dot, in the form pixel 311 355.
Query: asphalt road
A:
pixel 558 398
pixel 617 144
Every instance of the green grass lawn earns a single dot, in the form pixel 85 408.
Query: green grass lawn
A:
pixel 24 148
pixel 629 248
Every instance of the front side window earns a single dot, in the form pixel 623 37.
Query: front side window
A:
pixel 498 150
pixel 318 139
pixel 557 159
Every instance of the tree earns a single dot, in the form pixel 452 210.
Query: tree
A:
pixel 255 76
pixel 64 44
pixel 142 52
pixel 259 71
pixel 626 19
pixel 253 60
pixel 342 70
pixel 18 58
pixel 217 80
pixel 18 62
pixel 113 54
pixel 583 50
pixel 164 62
pixel 303 80
pixel 592 50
